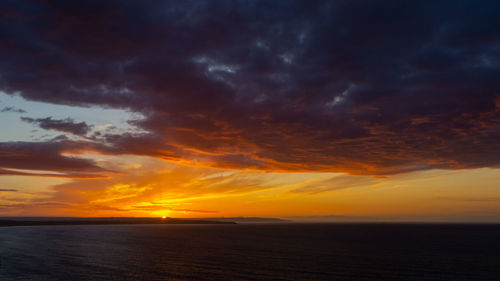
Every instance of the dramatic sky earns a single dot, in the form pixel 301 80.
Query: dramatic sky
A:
pixel 250 108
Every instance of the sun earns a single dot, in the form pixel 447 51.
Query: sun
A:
pixel 164 217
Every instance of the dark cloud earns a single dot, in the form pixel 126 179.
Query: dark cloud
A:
pixel 365 87
pixel 12 109
pixel 67 125
pixel 7 190
pixel 61 174
pixel 45 156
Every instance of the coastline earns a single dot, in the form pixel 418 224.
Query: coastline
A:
pixel 102 221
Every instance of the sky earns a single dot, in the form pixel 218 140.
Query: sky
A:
pixel 319 109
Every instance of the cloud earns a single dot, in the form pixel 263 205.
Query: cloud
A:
pixel 67 125
pixel 159 187
pixel 34 205
pixel 362 87
pixel 12 109
pixel 336 183
pixel 7 190
pixel 48 205
pixel 46 156
pixel 156 207
pixel 81 175
pixel 470 199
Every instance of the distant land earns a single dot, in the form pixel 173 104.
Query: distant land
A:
pixel 249 219
pixel 456 218
pixel 333 218
pixel 35 221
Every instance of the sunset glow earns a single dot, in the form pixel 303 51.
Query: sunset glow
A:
pixel 279 109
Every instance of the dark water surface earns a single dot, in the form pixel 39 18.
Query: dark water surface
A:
pixel 251 251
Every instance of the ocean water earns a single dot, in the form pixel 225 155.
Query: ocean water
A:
pixel 251 252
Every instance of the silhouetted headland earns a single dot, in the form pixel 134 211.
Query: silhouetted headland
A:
pixel 34 221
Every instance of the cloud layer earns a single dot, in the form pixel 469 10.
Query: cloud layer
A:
pixel 363 87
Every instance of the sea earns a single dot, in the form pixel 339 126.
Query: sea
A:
pixel 286 251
